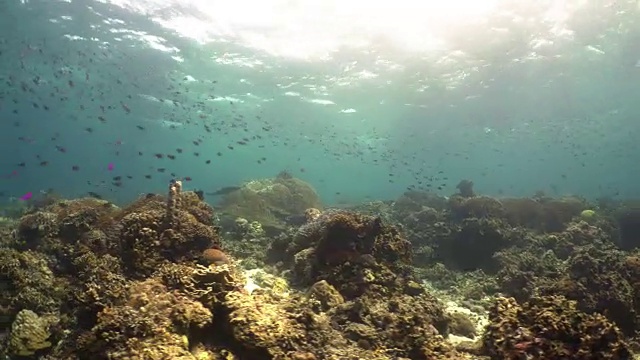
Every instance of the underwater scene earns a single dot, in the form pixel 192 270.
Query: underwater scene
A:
pixel 319 179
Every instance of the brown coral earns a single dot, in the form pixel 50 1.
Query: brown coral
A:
pixel 271 201
pixel 550 328
pixel 353 252
pixel 146 239
pixel 151 319
pixel 474 242
pixel 27 283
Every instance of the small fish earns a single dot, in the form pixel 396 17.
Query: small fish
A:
pixel 224 191
pixel 26 196
pixel 94 195
pixel 296 220
pixel 110 167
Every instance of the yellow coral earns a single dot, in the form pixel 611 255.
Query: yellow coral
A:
pixel 29 333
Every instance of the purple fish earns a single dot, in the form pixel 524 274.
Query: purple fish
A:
pixel 110 166
pixel 26 196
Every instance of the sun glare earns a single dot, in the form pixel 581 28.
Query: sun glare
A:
pixel 310 29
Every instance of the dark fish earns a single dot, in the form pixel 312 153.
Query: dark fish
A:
pixel 94 195
pixel 296 220
pixel 224 191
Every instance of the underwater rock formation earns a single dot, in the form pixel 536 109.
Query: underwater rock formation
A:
pixel 270 201
pixel 628 223
pixel 465 188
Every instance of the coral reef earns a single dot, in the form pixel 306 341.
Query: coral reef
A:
pixel 151 320
pixel 125 284
pixel 353 252
pixel 481 239
pixel 270 201
pixel 158 279
pixel 550 328
pixel 526 247
pixel 27 282
pixel 29 334
pixel 628 221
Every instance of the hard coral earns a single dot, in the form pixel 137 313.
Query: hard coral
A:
pixel 29 334
pixel 98 282
pixel 271 201
pixel 414 201
pixel 525 212
pixel 600 281
pixel 628 220
pixel 465 188
pixel 263 326
pixel 407 326
pixel 474 242
pixel 27 283
pixel 65 221
pixel 576 235
pixel 550 328
pixel 559 212
pixel 524 270
pixel 475 207
pixel 351 251
pixel 146 238
pixel 152 320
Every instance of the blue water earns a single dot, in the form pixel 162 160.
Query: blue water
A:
pixel 515 105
